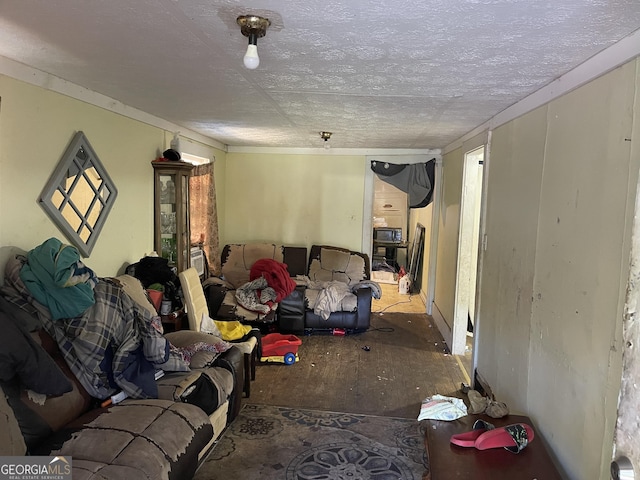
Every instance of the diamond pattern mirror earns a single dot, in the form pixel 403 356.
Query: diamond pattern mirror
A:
pixel 79 195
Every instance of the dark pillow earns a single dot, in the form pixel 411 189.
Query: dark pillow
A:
pixel 21 356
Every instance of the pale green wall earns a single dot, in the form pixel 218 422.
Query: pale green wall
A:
pixel 220 173
pixel 448 231
pixel 513 197
pixel 560 205
pixel 36 126
pixel 294 199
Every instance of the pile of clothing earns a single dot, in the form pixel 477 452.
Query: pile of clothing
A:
pixel 269 284
pixel 110 342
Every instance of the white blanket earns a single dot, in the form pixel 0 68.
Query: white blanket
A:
pixel 328 297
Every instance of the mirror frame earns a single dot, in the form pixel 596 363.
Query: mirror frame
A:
pixel 77 160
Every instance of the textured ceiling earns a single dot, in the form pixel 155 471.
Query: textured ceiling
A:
pixel 379 73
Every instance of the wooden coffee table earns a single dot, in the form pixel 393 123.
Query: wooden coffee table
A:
pixel 447 461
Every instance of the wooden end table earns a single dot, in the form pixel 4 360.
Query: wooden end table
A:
pixel 173 321
pixel 447 461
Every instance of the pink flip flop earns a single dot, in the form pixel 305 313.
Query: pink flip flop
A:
pixel 511 437
pixel 468 439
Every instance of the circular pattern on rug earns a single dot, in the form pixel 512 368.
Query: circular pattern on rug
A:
pixel 344 461
pixel 320 419
pixel 408 436
pixel 257 427
pixel 410 440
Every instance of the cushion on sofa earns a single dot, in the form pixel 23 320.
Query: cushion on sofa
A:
pixel 202 358
pixel 236 266
pixel 152 438
pixel 207 389
pixel 346 303
pixel 337 264
pixel 230 309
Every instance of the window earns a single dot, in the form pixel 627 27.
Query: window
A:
pixel 203 212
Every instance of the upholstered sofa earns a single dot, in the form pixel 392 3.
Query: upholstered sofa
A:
pixel 302 309
pixel 336 291
pixel 45 408
pixel 236 262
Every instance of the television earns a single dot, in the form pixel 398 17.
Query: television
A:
pixel 387 234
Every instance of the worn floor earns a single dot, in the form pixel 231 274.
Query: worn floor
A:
pixel 387 370
pixel 393 301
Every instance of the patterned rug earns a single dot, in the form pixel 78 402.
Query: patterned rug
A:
pixel 277 443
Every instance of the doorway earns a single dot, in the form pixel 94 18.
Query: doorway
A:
pixel 468 242
pixel 398 215
pixel 390 232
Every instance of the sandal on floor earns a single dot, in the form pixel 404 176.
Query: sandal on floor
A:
pixel 512 437
pixel 468 439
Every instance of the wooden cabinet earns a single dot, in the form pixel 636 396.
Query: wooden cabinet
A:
pixel 172 238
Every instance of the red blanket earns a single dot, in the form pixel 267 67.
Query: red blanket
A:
pixel 276 275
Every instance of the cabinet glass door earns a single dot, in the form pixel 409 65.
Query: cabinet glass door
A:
pixel 172 239
pixel 183 214
pixel 168 218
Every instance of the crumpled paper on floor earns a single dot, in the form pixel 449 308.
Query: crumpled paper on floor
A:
pixel 439 407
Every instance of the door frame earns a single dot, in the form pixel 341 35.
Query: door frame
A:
pixel 466 242
pixel 369 193
pixel 433 239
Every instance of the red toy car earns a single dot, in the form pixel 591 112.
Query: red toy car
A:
pixel 277 347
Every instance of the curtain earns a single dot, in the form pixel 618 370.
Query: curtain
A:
pixel 415 179
pixel 203 214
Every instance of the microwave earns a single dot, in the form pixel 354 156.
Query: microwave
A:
pixel 387 234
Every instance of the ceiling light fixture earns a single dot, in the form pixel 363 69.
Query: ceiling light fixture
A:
pixel 253 27
pixel 326 136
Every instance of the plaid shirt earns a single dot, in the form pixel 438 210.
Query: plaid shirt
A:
pixel 112 346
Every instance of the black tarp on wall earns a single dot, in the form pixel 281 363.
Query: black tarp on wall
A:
pixel 415 179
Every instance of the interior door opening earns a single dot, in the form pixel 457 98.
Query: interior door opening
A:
pixel 467 262
pixel 390 232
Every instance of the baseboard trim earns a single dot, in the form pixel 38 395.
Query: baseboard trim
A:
pixel 480 384
pixel 443 327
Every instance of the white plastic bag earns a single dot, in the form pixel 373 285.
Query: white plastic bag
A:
pixel 207 325
pixel 439 407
